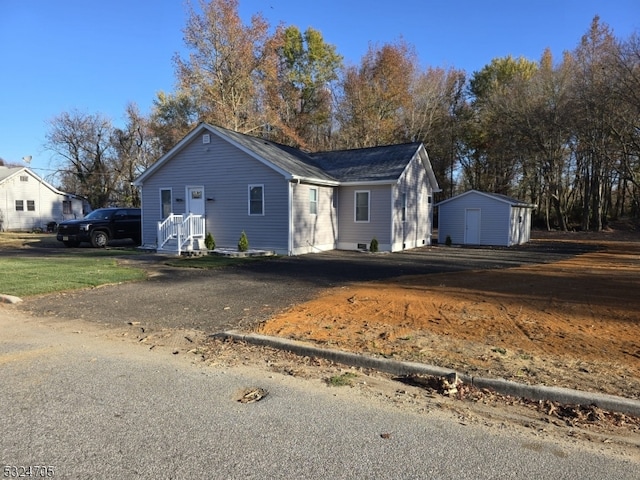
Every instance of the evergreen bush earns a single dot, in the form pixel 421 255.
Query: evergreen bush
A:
pixel 373 247
pixel 209 241
pixel 243 243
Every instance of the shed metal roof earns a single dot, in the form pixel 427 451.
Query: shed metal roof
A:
pixel 514 202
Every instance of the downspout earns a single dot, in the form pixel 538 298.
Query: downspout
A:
pixel 394 190
pixel 289 206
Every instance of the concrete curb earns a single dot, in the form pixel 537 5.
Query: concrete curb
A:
pixel 534 392
pixel 9 299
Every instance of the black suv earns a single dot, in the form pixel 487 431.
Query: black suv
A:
pixel 101 226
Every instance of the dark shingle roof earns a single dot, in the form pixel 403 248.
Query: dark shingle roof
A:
pixel 286 158
pixel 384 163
pixel 375 164
pixel 367 164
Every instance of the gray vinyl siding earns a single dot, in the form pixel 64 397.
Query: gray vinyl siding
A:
pixel 313 232
pixel 415 231
pixel 225 172
pixel 352 233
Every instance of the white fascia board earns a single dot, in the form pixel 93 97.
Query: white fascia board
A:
pixel 314 181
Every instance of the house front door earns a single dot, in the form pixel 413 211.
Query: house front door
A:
pixel 472 226
pixel 195 199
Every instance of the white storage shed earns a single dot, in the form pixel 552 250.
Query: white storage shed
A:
pixel 480 218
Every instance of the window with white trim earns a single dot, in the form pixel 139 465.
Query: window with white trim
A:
pixel 19 205
pixel 313 201
pixel 404 207
pixel 256 199
pixel 67 207
pixel 362 206
pixel 165 202
pixel 31 205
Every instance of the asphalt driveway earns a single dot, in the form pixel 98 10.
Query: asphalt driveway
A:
pixel 242 296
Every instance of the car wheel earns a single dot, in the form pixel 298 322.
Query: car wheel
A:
pixel 99 239
pixel 71 244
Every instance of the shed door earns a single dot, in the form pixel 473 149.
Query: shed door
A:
pixel 195 199
pixel 472 226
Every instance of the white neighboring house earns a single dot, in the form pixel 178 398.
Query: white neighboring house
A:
pixel 27 202
pixel 481 218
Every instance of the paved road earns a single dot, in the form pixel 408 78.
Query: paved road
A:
pixel 96 408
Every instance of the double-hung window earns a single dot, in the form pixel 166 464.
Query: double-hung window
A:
pixel 313 201
pixel 19 205
pixel 362 204
pixel 256 199
pixel 31 205
pixel 404 207
pixel 165 201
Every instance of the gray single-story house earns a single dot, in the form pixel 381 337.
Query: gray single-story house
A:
pixel 27 202
pixel 286 200
pixel 480 218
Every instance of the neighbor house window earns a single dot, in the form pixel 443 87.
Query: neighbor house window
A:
pixel 256 200
pixel 24 178
pixel 404 207
pixel 66 207
pixel 19 205
pixel 362 206
pixel 313 201
pixel 31 205
pixel 165 201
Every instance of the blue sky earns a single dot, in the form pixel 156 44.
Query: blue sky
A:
pixel 97 56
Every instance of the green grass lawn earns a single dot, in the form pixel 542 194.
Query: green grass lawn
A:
pixel 69 269
pixel 25 276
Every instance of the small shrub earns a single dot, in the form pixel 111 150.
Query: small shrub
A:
pixel 447 242
pixel 373 248
pixel 243 243
pixel 209 241
pixel 342 380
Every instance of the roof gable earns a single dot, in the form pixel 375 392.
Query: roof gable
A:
pixel 8 172
pixel 291 161
pixel 365 165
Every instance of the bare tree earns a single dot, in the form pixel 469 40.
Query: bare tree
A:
pixel 135 151
pixel 593 108
pixel 82 146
